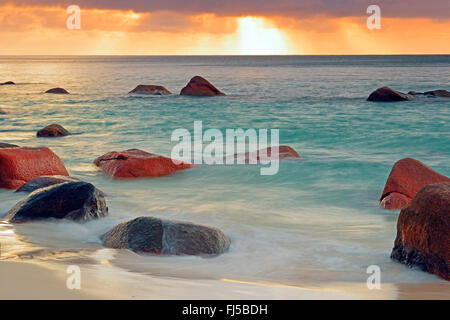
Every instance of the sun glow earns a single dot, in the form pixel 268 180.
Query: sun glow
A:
pixel 258 38
pixel 41 29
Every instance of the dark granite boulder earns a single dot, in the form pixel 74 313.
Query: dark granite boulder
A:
pixel 43 182
pixel 7 145
pixel 79 201
pixel 146 235
pixel 57 91
pixel 386 94
pixel 53 130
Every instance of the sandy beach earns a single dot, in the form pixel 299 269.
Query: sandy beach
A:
pixel 41 281
pixel 33 281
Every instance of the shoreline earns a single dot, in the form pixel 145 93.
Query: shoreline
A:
pixel 24 280
pixel 29 272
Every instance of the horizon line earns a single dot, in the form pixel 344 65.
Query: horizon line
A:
pixel 223 55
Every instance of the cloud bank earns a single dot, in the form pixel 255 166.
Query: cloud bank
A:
pixel 432 9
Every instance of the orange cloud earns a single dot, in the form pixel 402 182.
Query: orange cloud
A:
pixel 42 30
pixel 13 18
pixel 351 36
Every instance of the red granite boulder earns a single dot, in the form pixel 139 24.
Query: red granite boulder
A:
pixel 423 231
pixel 151 89
pixel 135 163
pixel 386 94
pixel 200 87
pixel 53 130
pixel 407 177
pixel 394 201
pixel 19 165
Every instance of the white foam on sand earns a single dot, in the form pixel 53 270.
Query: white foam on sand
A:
pixel 35 276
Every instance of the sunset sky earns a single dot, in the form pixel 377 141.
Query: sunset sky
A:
pixel 211 27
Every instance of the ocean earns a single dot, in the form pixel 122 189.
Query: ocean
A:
pixel 317 221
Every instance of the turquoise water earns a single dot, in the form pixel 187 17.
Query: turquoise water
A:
pixel 316 221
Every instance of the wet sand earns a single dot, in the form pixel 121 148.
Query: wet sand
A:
pixel 31 280
pixel 24 280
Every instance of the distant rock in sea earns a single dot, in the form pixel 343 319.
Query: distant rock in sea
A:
pixel 147 235
pixel 43 182
pixel 386 94
pixel 20 165
pixel 151 90
pixel 432 94
pixel 57 91
pixel 7 83
pixel 438 94
pixel 3 111
pixel 79 201
pixel 200 87
pixel 423 231
pixel 53 130
pixel 407 177
pixel 135 163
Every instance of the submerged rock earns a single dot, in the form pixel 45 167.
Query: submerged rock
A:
pixel 7 83
pixel 432 94
pixel 150 89
pixel 57 91
pixel 423 231
pixel 146 235
pixel 135 163
pixel 19 165
pixel 268 154
pixel 407 177
pixel 79 201
pixel 200 87
pixel 53 130
pixel 3 111
pixel 386 94
pixel 7 145
pixel 438 94
pixel 43 182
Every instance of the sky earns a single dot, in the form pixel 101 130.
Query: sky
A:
pixel 225 27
